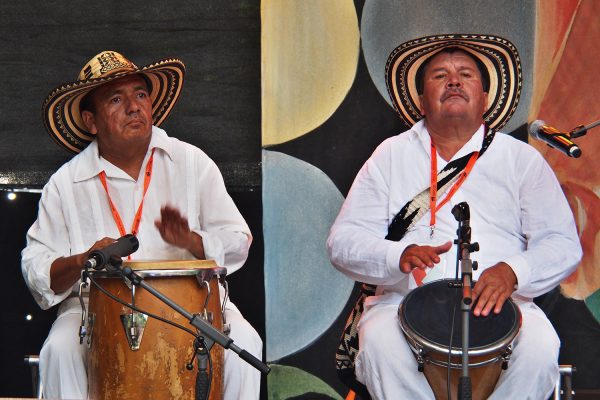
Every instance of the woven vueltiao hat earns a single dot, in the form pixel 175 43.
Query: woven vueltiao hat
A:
pixel 499 57
pixel 61 111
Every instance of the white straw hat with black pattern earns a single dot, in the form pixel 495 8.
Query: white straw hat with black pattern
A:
pixel 61 109
pixel 498 55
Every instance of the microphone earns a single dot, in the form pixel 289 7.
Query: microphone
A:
pixel 462 214
pixel 554 138
pixel 123 247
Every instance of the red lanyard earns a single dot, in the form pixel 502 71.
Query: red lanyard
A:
pixel 138 214
pixel 434 207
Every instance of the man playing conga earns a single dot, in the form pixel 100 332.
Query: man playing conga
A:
pixel 129 177
pixel 395 229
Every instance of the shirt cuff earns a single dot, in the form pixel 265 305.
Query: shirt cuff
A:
pixel 393 261
pixel 213 247
pixel 38 281
pixel 520 267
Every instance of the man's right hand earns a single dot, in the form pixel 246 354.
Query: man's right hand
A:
pixel 65 271
pixel 422 256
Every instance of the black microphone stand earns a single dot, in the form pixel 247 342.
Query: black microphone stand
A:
pixel 208 334
pixel 464 249
pixel 204 375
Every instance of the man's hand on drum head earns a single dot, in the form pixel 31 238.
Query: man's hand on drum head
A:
pixel 494 286
pixel 422 256
pixel 175 230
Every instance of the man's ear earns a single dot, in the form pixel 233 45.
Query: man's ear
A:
pixel 485 102
pixel 89 121
pixel 421 110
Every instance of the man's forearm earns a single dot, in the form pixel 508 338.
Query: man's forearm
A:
pixel 65 271
pixel 197 246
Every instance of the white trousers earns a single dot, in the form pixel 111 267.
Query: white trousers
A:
pixel 388 367
pixel 63 360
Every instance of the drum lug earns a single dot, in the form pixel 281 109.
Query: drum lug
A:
pixel 90 328
pixel 506 357
pixel 82 332
pixel 128 283
pixel 208 316
pixel 420 361
pixel 226 326
pixel 134 324
pixel 82 328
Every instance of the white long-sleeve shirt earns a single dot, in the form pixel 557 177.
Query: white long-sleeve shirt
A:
pixel 518 215
pixel 74 211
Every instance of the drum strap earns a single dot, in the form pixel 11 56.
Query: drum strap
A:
pixel 451 176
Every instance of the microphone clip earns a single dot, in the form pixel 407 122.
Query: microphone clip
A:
pixel 578 131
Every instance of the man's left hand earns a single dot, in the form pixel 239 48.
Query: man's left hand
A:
pixel 494 286
pixel 174 229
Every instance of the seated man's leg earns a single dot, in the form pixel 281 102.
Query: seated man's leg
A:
pixel 242 381
pixel 385 362
pixel 533 368
pixel 63 359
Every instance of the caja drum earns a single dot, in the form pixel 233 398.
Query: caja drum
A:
pixel 132 356
pixel 425 316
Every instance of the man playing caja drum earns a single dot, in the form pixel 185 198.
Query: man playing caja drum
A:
pixel 455 91
pixel 129 177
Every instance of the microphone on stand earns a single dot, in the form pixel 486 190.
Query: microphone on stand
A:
pixel 554 138
pixel 462 213
pixel 123 247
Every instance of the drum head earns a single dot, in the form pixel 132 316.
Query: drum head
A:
pixel 427 312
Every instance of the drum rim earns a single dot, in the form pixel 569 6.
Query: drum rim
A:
pixel 165 273
pixel 424 343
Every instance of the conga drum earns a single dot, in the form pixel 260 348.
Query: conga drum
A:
pixel 426 315
pixel 132 356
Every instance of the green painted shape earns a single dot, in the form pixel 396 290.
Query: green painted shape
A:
pixel 284 382
pixel 593 304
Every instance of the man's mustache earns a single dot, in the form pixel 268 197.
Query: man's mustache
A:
pixel 136 117
pixel 454 92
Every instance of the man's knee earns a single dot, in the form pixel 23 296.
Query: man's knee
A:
pixel 379 332
pixel 538 343
pixel 62 348
pixel 243 334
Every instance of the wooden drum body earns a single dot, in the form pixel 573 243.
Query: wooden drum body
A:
pixel 425 316
pixel 149 362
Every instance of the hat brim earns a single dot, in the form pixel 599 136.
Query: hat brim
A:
pixel 498 55
pixel 62 115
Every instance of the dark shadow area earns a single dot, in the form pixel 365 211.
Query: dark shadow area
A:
pixel 19 335
pixel 579 333
pixel 247 288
